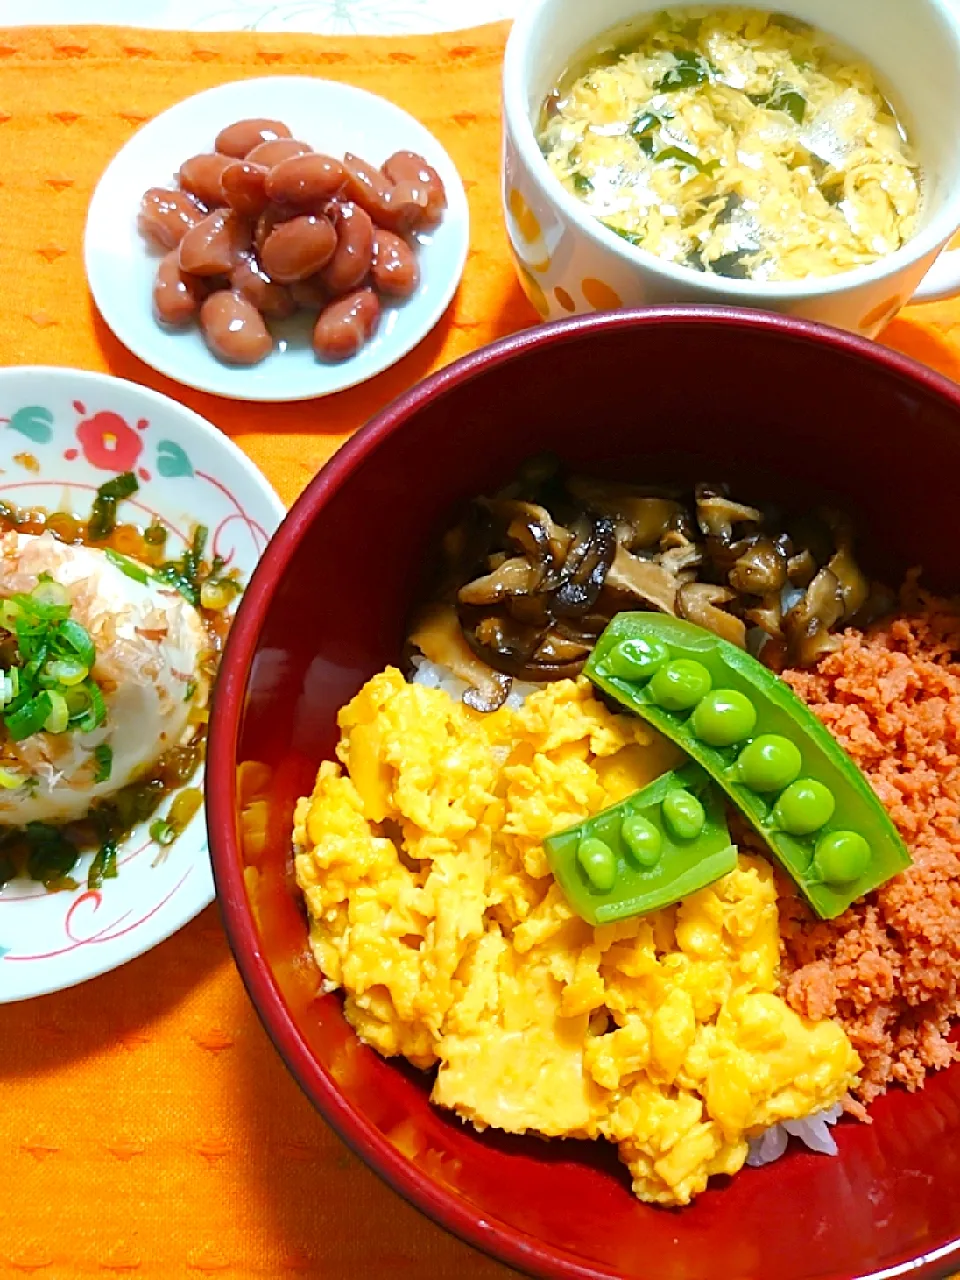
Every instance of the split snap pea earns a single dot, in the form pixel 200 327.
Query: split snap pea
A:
pixel 763 746
pixel 653 849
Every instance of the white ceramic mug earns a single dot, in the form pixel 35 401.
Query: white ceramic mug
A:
pixel 569 262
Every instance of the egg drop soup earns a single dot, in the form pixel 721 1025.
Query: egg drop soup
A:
pixel 737 142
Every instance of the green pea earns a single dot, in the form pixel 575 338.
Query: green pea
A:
pixel 683 814
pixel 769 763
pixel 642 839
pixel 805 807
pixel 680 685
pixel 599 863
pixel 724 717
pixel 637 659
pixel 841 857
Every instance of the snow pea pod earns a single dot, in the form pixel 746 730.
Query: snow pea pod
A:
pixel 655 848
pixel 778 764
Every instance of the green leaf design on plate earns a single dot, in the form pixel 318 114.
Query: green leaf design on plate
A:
pixel 33 421
pixel 172 460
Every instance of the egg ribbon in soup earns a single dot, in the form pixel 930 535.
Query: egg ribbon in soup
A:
pixel 737 142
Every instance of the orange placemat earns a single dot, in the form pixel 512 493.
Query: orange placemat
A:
pixel 146 1126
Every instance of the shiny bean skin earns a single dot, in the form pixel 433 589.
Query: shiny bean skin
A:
pixel 233 329
pixel 346 324
pixel 201 177
pixel 167 216
pixel 351 260
pixel 398 207
pixel 273 153
pixel 407 166
pixel 305 181
pixel 176 296
pixel 250 281
pixel 244 187
pixel 298 248
pixel 310 294
pixel 271 217
pixel 215 245
pixel 394 271
pixel 240 138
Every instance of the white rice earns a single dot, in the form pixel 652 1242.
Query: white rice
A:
pixel 814 1131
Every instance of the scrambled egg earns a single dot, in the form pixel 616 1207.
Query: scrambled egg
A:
pixel 772 156
pixel 432 906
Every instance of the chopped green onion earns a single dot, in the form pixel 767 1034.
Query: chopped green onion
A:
pixel 163 832
pixel 50 594
pixel 59 717
pixel 87 708
pixel 191 689
pixel 63 671
pixel 52 856
pixel 688 158
pixel 77 638
pixel 783 97
pixel 582 184
pixel 632 237
pixel 30 718
pixel 103 515
pixel 130 567
pixel 643 128
pixel 103 757
pixel 104 865
pixel 11 780
pixel 9 686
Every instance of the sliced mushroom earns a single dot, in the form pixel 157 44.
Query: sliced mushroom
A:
pixel 438 636
pixel 801 568
pixel 644 580
pixel 701 602
pixel 717 514
pixel 585 567
pixel 645 519
pixel 853 584
pixel 767 615
pixel 510 578
pixel 807 626
pixel 681 556
pixel 761 570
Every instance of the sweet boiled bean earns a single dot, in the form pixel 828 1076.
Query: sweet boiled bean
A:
pixel 167 216
pixel 346 324
pixel 272 153
pixel 394 268
pixel 215 245
pixel 240 138
pixel 407 166
pixel 306 181
pixel 250 281
pixel 244 187
pixel 298 248
pixel 234 329
pixel 202 176
pixel 354 252
pixel 176 295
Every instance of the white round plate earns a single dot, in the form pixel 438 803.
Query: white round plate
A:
pixel 332 118
pixel 62 434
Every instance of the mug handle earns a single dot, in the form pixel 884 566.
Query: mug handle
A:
pixel 942 280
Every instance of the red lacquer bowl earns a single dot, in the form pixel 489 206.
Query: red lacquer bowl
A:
pixel 694 393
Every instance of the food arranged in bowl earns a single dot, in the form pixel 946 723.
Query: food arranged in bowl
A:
pixel 737 142
pixel 603 855
pixel 263 225
pixel 108 649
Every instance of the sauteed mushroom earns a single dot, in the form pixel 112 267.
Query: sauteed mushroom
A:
pixel 533 574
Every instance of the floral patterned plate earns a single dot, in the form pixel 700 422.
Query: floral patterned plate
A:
pixel 62 434
pixel 332 118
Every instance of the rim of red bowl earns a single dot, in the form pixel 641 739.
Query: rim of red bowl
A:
pixel 504 1243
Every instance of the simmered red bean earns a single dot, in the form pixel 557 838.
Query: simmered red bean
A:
pixel 214 246
pixel 201 176
pixel 234 329
pixel 239 139
pixel 346 324
pixel 305 181
pixel 167 216
pixel 351 260
pixel 298 248
pixel 310 294
pixel 244 187
pixel 176 296
pixel 394 270
pixel 407 166
pixel 271 153
pixel 250 281
pixel 271 217
pixel 396 206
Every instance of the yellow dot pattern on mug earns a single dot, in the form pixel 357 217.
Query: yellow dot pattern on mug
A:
pixel 600 296
pixel 533 291
pixel 527 222
pixel 886 310
pixel 564 298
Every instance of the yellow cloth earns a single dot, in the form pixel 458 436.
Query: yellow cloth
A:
pixel 147 1128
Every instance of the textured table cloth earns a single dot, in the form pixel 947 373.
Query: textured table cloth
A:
pixel 147 1128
